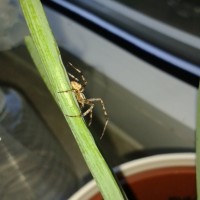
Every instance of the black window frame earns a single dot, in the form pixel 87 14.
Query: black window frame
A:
pixel 97 19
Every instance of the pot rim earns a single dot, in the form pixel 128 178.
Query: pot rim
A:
pixel 140 165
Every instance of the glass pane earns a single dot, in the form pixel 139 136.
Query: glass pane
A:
pixel 182 14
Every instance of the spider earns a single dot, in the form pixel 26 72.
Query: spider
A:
pixel 78 90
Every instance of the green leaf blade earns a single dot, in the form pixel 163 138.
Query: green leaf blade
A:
pixel 45 53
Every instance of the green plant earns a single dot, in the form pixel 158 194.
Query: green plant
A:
pixel 45 53
pixel 198 145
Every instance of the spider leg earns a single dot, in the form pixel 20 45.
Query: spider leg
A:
pixel 89 111
pixel 73 115
pixel 80 72
pixel 67 91
pixel 73 77
pixel 104 111
pixel 90 122
pixel 70 91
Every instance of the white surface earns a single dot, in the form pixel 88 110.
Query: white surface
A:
pixel 171 96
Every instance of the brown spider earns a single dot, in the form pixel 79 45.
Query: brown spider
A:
pixel 78 90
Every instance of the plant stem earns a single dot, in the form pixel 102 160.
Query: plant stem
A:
pixel 198 146
pixel 45 53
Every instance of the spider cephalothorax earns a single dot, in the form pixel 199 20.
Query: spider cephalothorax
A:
pixel 78 90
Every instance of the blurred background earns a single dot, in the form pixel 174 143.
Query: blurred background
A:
pixel 140 57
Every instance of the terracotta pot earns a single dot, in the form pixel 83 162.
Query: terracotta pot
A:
pixel 159 177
